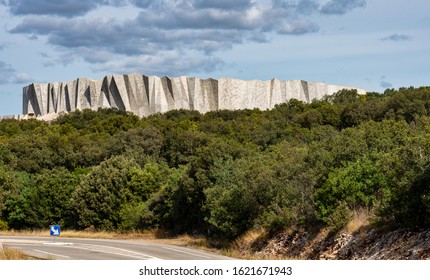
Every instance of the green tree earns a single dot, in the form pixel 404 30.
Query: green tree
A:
pixel 51 197
pixel 359 184
pixel 343 96
pixel 230 204
pixel 114 194
pixel 177 205
pixel 20 205
pixel 101 194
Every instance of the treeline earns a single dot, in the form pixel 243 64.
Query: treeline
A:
pixel 225 172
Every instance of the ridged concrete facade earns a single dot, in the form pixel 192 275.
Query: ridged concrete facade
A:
pixel 146 95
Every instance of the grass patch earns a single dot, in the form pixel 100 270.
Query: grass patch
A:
pixel 360 220
pixel 84 234
pixel 13 254
pixel 248 244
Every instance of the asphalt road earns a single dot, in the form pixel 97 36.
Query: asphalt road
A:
pixel 102 249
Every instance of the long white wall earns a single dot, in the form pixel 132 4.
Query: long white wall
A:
pixel 146 95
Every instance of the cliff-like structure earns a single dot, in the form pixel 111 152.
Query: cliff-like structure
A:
pixel 145 95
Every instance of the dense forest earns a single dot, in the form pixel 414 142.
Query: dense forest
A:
pixel 223 173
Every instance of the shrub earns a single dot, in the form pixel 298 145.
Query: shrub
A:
pixel 340 217
pixel 357 185
pixel 3 225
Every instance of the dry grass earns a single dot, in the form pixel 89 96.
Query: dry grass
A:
pixel 360 220
pixel 150 235
pixel 84 234
pixel 249 247
pixel 187 240
pixel 249 239
pixel 13 254
pixel 246 245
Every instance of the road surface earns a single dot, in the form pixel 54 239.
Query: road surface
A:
pixel 102 249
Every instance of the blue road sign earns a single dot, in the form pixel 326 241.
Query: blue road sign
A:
pixel 54 230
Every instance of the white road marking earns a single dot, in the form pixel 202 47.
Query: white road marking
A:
pixel 43 252
pixel 114 251
pixel 188 253
pixel 134 243
pixel 58 244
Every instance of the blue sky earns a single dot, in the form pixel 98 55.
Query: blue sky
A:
pixel 373 44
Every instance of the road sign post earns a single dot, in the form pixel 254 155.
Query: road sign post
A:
pixel 54 230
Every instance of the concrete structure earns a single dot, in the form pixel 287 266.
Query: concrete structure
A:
pixel 145 95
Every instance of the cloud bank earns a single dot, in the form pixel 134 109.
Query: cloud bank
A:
pixel 184 35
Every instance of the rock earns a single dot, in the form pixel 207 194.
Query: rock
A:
pixel 146 95
pixel 395 245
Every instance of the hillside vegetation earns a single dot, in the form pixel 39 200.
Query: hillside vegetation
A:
pixel 223 173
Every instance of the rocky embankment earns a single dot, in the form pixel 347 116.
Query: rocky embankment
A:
pixel 365 245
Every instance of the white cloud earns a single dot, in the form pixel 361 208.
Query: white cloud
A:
pixel 8 75
pixel 202 27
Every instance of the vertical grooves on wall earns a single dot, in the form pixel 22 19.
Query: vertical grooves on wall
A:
pixel 145 95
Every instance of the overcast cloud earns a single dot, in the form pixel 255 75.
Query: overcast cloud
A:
pixel 65 8
pixel 165 27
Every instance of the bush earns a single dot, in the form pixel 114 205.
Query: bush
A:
pixel 276 219
pixel 3 225
pixel 359 184
pixel 231 210
pixel 102 193
pixel 409 206
pixel 340 217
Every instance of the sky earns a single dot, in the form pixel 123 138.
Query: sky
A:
pixel 371 44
